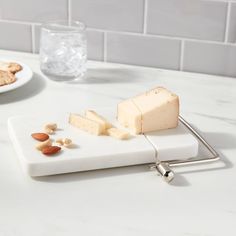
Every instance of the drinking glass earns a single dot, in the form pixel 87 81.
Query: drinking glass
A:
pixel 63 50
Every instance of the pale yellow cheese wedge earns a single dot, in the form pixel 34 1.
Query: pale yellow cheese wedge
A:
pixel 92 115
pixel 129 116
pixel 154 110
pixel 86 124
pixel 118 133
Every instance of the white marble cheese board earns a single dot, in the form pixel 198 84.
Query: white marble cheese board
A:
pixel 94 152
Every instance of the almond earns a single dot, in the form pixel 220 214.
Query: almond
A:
pixel 40 136
pixel 50 150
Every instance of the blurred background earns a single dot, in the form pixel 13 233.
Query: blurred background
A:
pixel 187 35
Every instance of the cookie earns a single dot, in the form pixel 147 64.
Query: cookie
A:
pixel 10 66
pixel 6 78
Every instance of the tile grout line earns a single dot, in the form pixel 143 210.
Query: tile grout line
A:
pixel 134 33
pixel 33 37
pixel 105 46
pixel 227 23
pixel 182 47
pixel 69 10
pixel 17 22
pixel 164 37
pixel 145 16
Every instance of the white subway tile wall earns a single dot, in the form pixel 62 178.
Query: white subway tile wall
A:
pixel 187 18
pixel 34 11
pixel 36 37
pixel 15 36
pixel 189 35
pixel 143 50
pixel 95 41
pixel 232 24
pixel 211 58
pixel 121 15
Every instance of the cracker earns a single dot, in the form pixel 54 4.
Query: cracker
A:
pixel 10 66
pixel 14 67
pixel 6 78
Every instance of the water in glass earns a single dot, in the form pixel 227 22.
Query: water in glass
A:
pixel 63 50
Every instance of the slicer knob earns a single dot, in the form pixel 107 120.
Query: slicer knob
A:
pixel 165 171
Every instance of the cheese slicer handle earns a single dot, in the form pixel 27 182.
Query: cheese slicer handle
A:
pixel 165 171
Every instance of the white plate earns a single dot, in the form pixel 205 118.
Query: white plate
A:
pixel 22 77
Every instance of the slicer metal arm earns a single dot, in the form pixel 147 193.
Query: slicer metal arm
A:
pixel 163 167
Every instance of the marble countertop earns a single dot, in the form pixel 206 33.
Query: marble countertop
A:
pixel 122 201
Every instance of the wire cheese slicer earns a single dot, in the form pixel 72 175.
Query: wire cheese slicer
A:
pixel 164 167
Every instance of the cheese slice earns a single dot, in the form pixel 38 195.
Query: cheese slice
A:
pixel 118 133
pixel 154 110
pixel 86 124
pixel 92 115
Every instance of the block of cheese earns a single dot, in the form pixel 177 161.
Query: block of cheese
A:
pixel 117 133
pixel 157 109
pixel 129 116
pixel 92 115
pixel 86 124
